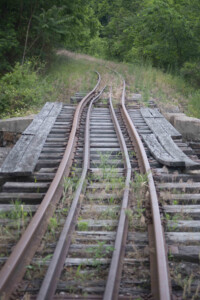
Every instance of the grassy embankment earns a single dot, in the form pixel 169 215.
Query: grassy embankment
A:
pixel 70 73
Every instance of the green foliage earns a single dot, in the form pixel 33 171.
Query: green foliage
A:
pixel 83 226
pixel 20 89
pixel 99 251
pixel 8 42
pixel 191 72
pixel 36 27
pixel 194 104
pixel 164 32
pixel 16 213
pixel 97 47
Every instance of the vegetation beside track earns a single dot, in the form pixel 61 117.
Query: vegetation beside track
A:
pixel 25 90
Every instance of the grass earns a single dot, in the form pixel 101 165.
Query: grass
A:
pixel 68 76
pixel 17 219
pixel 166 89
pixel 70 73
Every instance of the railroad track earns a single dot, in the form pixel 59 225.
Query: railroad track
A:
pixel 178 191
pixel 104 238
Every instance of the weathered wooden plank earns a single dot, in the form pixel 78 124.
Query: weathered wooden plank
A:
pixel 118 163
pixel 163 148
pixel 107 145
pixel 24 197
pixel 163 131
pixel 155 113
pixel 16 154
pixel 146 113
pixel 184 197
pixel 42 176
pixel 48 110
pixel 187 253
pixel 47 170
pixel 183 237
pixel 179 185
pixel 160 154
pixel 86 261
pixel 104 150
pixel 150 113
pixel 104 139
pixel 182 209
pixel 107 171
pixel 39 118
pixel 94 186
pixel 183 225
pixel 169 145
pixel 158 124
pixel 169 128
pixel 57 106
pixel 30 157
pixel 9 207
pixel 99 224
pixel 23 157
pixel 108 236
pixel 100 208
pixel 25 187
pixel 103 196
pixel 176 177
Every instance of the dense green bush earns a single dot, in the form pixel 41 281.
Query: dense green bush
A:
pixel 191 72
pixel 97 47
pixel 21 89
pixel 8 43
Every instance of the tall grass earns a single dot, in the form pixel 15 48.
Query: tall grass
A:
pixel 167 89
pixel 70 73
pixel 68 76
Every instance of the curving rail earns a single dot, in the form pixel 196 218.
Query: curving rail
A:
pixel 15 267
pixel 49 284
pixel 113 281
pixel 160 276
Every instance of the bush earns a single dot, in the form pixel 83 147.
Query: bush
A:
pixel 194 104
pixel 191 72
pixel 21 89
pixel 97 47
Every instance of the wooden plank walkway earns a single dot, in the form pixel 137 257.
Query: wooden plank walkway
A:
pixel 23 157
pixel 160 142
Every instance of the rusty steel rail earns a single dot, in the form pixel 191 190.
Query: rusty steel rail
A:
pixel 15 267
pixel 113 281
pixel 160 277
pixel 49 284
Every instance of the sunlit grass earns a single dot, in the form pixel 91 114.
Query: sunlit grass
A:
pixel 165 88
pixel 69 76
pixel 70 73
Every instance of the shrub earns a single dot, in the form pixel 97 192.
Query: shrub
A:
pixel 191 72
pixel 21 89
pixel 194 104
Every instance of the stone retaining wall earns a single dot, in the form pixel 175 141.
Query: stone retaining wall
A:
pixel 11 129
pixel 187 126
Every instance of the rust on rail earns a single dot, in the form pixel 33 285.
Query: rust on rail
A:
pixel 113 281
pixel 15 267
pixel 160 277
pixel 49 284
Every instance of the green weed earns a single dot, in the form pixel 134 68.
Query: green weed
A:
pixel 83 226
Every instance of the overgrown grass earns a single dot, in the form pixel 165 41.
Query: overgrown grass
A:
pixel 24 91
pixel 165 88
pixel 70 73
pixel 68 76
